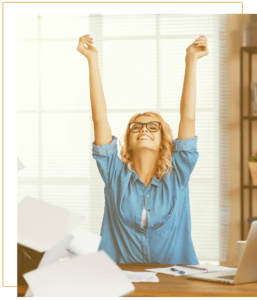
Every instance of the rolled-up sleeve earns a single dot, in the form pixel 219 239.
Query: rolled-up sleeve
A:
pixel 107 160
pixel 184 159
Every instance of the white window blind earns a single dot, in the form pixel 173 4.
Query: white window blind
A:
pixel 142 66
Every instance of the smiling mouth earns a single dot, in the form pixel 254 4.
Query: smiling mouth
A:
pixel 145 138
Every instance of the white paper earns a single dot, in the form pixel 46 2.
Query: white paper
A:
pixel 54 254
pixel 169 272
pixel 91 275
pixel 28 293
pixel 189 271
pixel 212 268
pixel 42 225
pixel 84 242
pixel 20 165
pixel 141 276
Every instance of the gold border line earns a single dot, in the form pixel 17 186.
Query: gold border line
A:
pixel 14 286
pixel 3 145
pixel 3 148
pixel 130 2
pixel 189 2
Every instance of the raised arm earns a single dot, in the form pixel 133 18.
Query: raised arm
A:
pixel 102 128
pixel 188 98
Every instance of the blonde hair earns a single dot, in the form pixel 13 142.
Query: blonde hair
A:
pixel 164 162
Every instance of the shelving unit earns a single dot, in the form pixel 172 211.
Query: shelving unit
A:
pixel 250 118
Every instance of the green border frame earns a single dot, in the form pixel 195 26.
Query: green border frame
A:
pixel 9 10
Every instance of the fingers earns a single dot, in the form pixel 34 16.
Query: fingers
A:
pixel 202 37
pixel 84 42
pixel 85 38
pixel 201 41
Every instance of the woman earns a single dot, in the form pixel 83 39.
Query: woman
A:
pixel 147 213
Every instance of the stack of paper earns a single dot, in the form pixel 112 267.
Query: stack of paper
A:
pixel 91 275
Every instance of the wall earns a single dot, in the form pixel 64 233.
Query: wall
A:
pixel 235 41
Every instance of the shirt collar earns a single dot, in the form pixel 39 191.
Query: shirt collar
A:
pixel 154 180
pixel 134 177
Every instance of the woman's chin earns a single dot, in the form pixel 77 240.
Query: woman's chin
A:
pixel 143 147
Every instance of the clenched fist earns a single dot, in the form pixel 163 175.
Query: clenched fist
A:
pixel 90 52
pixel 198 48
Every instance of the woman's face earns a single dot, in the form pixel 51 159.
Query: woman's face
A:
pixel 145 139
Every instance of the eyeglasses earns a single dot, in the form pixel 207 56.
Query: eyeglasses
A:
pixel 151 126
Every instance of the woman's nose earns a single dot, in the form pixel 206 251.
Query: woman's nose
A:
pixel 144 128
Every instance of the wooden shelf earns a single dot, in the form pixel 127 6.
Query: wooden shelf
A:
pixel 250 117
pixel 250 186
pixel 250 50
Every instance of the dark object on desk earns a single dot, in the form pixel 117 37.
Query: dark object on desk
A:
pixel 175 270
pixel 193 267
pixel 250 220
pixel 28 260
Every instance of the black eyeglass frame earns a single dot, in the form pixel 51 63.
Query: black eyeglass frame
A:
pixel 142 124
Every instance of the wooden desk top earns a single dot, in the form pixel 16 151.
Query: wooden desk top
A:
pixel 180 286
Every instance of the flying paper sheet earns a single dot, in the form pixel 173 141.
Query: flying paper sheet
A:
pixel 84 242
pixel 20 165
pixel 41 225
pixel 91 275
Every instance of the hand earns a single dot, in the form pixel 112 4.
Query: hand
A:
pixel 197 51
pixel 90 52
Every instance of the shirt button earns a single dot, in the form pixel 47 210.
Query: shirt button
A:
pixel 147 196
pixel 149 209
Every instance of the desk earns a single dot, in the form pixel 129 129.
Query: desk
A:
pixel 179 286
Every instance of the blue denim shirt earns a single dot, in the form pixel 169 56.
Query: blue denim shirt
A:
pixel 167 240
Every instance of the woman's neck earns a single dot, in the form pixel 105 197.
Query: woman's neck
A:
pixel 144 164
